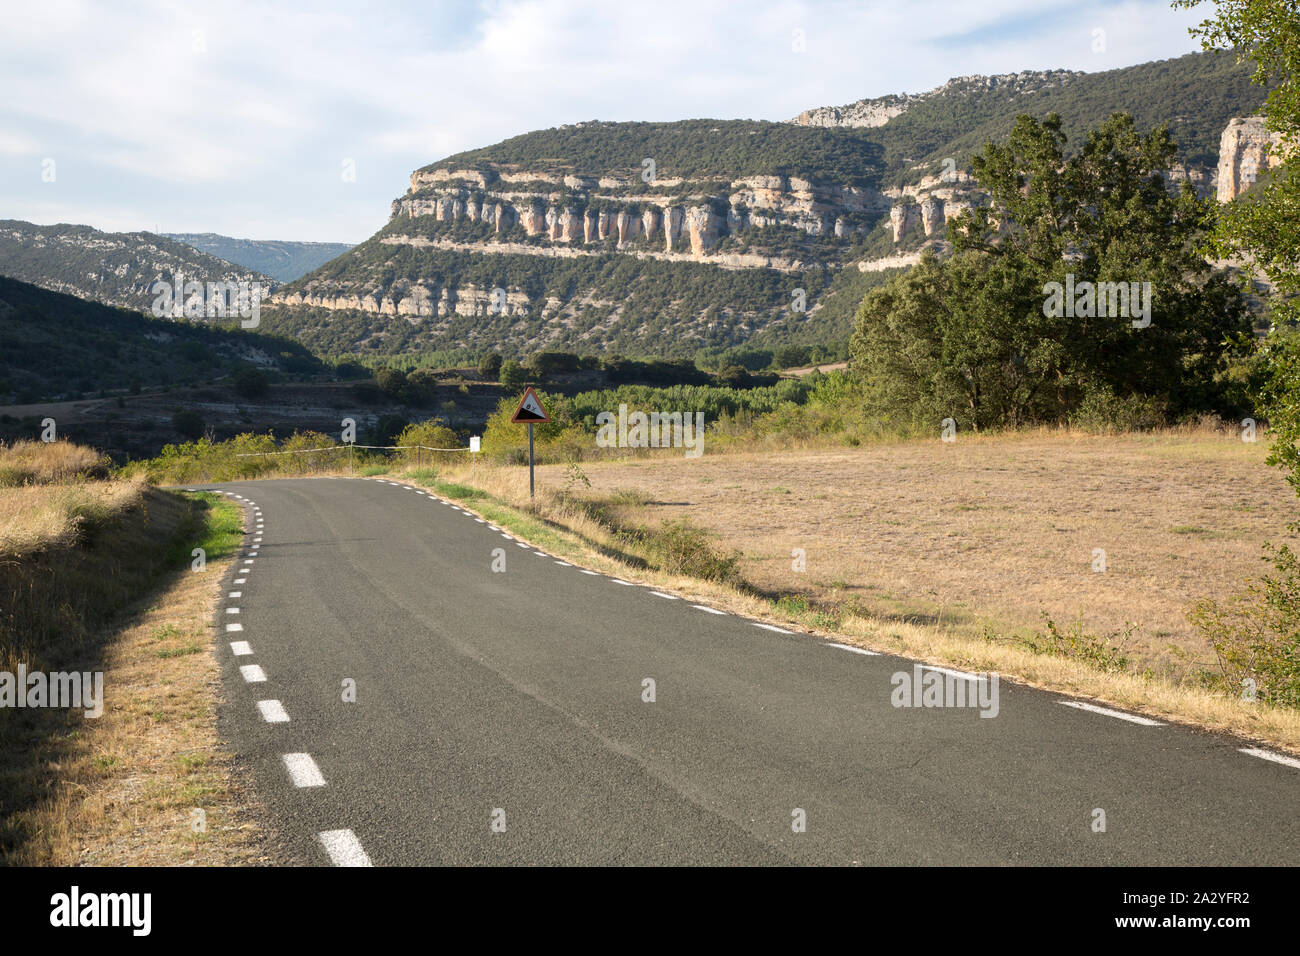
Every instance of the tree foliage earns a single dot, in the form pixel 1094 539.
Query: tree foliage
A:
pixel 976 338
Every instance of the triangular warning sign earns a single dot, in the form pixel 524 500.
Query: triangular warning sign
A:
pixel 530 409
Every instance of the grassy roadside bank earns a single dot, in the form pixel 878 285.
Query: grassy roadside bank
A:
pixel 688 560
pixel 108 589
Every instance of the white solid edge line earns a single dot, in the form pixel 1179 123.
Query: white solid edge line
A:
pixel 707 609
pixel 1269 755
pixel 668 597
pixel 273 711
pixel 952 673
pixel 771 627
pixel 252 674
pixel 343 848
pixel 240 648
pixel 856 650
pixel 1106 711
pixel 303 770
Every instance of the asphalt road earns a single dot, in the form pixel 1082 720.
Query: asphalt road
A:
pixel 500 718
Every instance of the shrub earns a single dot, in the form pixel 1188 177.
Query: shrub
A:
pixel 512 374
pixel 1256 635
pixel 1104 653
pixel 680 547
pixel 189 423
pixel 251 382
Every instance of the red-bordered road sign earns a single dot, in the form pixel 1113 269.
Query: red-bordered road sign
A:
pixel 530 411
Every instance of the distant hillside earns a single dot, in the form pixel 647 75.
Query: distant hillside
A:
pixel 115 268
pixel 666 238
pixel 283 261
pixel 55 346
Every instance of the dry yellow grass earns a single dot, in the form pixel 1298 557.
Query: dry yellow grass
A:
pixel 921 544
pixel 990 531
pixel 47 515
pixel 36 462
pixel 123 789
pixel 130 782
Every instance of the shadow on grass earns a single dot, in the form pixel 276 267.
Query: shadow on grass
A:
pixel 61 610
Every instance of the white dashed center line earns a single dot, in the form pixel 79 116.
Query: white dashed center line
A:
pixel 235 594
pixel 231 628
pixel 771 627
pixel 343 848
pixel 709 610
pixel 252 674
pixel 240 648
pixel 232 610
pixel 273 711
pixel 303 770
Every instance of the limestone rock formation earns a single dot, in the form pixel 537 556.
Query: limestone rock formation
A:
pixel 1246 150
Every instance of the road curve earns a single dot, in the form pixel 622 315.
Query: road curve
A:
pixel 500 717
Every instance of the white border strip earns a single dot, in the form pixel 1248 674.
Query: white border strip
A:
pixel 1106 711
pixel 1269 755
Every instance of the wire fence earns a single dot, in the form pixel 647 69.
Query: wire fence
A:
pixel 304 451
pixel 350 446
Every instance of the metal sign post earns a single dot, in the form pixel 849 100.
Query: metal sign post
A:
pixel 530 412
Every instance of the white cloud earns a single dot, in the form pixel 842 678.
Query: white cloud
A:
pixel 249 129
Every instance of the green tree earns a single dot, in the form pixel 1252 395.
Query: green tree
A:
pixel 513 374
pixel 490 365
pixel 987 337
pixel 1264 227
pixel 251 382
pixel 189 424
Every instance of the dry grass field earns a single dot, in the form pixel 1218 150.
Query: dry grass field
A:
pixel 982 532
pixel 95 577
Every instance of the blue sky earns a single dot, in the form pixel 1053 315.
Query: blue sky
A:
pixel 239 118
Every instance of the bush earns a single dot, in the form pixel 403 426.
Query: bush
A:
pixel 1104 653
pixel 489 366
pixel 189 424
pixel 432 433
pixel 1104 412
pixel 392 382
pixel 679 547
pixel 547 364
pixel 512 374
pixel 251 382
pixel 1256 636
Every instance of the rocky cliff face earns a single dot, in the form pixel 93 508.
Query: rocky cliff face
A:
pixel 1246 150
pixel 882 109
pixel 673 215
